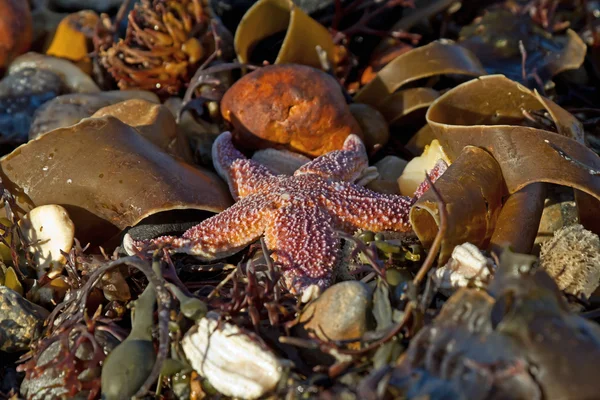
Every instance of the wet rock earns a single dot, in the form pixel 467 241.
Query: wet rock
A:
pixel 30 81
pixel 373 125
pixel 340 313
pixel 52 380
pixel 69 109
pixel 73 77
pixel 572 258
pixel 16 115
pixel 390 168
pixel 281 162
pixel 21 94
pixel 21 321
pixel 289 106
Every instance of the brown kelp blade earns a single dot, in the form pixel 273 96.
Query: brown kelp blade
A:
pixel 472 190
pixel 302 33
pixel 487 111
pixel 107 176
pixel 437 58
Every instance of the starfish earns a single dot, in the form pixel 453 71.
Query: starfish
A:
pixel 298 215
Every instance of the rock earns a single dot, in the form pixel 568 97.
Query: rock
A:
pixel 572 258
pixel 51 380
pixel 373 125
pixel 390 168
pixel 153 121
pixel 16 30
pixel 69 109
pixel 21 321
pixel 21 94
pixel 281 162
pixel 74 78
pixel 28 81
pixel 340 313
pixel 237 363
pixel 16 113
pixel 289 106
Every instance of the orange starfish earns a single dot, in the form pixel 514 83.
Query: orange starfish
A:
pixel 298 215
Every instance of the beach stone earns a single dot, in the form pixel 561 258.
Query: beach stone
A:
pixel 21 321
pixel 340 313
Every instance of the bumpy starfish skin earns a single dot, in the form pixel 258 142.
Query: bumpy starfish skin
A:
pixel 297 215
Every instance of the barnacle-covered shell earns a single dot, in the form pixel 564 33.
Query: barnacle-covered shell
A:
pixel 234 362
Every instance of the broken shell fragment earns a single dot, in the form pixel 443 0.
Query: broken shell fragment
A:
pixel 295 107
pixel 572 258
pixel 467 266
pixel 108 179
pixel 48 231
pixel 234 361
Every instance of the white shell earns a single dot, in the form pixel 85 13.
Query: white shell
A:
pixel 235 363
pixel 467 265
pixel 48 229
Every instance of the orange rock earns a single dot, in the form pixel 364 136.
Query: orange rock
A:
pixel 290 106
pixel 16 29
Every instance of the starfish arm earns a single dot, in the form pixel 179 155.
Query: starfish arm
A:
pixel 304 245
pixel 223 234
pixel 241 174
pixel 346 164
pixel 438 169
pixel 359 208
pixel 229 231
